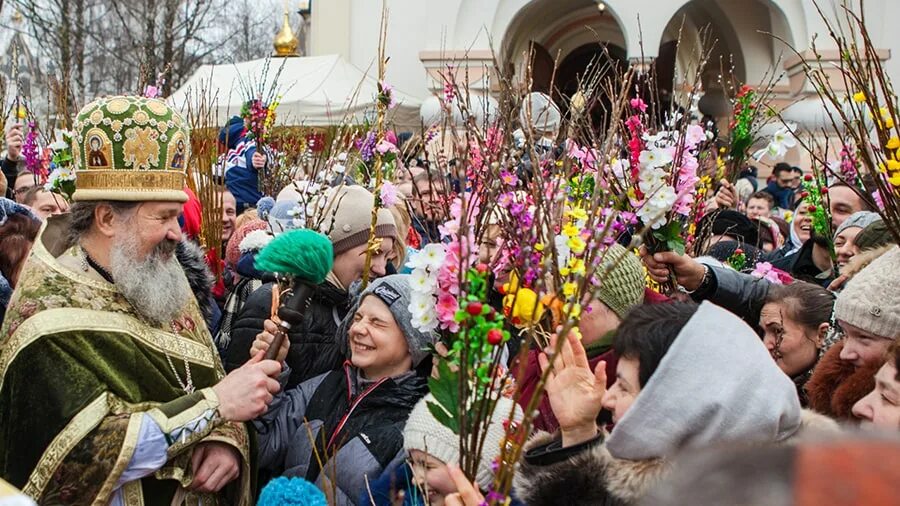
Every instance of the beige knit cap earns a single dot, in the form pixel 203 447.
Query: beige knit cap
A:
pixel 871 299
pixel 348 217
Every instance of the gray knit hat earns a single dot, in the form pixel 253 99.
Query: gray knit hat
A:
pixel 394 291
pixel 348 218
pixel 861 219
pixel 623 286
pixel 424 433
pixel 871 299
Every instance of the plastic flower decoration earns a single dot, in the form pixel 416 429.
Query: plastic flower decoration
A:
pixel 782 141
pixel 385 95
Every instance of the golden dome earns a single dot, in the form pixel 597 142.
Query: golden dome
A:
pixel 286 42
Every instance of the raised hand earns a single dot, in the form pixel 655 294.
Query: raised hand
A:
pixel 247 391
pixel 688 272
pixel 575 392
pixel 467 493
pixel 14 139
pixel 264 340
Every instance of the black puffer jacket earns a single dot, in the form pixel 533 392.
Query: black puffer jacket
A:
pixel 357 427
pixel 314 348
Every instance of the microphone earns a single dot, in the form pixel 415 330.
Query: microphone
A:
pixel 306 257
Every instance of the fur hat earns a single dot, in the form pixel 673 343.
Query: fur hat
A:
pixel 395 291
pixel 871 300
pixel 874 235
pixel 424 433
pixel 348 217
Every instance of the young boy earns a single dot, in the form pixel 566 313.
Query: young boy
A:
pixel 431 447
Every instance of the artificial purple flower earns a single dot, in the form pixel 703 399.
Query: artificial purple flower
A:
pixel 366 147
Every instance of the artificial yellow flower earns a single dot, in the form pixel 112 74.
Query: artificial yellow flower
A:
pixel 888 122
pixel 577 266
pixel 576 244
pixel 882 168
pixel 893 165
pixel 569 289
pixel 21 112
pixel 895 179
pixel 577 213
pixel 564 271
pixel 572 310
pixel 539 246
pixel 859 97
pixel 893 142
pixel 570 230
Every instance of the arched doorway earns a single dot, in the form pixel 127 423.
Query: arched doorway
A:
pixel 560 49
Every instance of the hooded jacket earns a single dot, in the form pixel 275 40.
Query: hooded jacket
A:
pixel 251 279
pixel 314 347
pixel 353 425
pixel 716 384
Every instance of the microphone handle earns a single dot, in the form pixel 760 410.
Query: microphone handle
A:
pixel 291 313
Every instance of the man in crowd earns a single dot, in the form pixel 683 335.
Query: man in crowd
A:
pixel 229 215
pixel 44 203
pixel 760 205
pixel 241 164
pixel 429 196
pixel 110 388
pixel 781 188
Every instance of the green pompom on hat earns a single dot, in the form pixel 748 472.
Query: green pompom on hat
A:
pixel 130 149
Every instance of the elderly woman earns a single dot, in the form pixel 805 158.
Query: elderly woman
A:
pixel 345 427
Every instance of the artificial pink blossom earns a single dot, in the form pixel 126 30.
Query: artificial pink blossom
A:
pixel 637 103
pixel 388 194
pixel 386 146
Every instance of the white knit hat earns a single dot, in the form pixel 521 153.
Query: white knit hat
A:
pixel 871 299
pixel 424 433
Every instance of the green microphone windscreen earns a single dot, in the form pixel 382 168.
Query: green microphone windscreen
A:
pixel 299 253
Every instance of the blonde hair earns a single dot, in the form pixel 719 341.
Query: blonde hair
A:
pixel 246 216
pixel 403 221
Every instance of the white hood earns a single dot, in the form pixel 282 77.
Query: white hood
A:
pixel 716 384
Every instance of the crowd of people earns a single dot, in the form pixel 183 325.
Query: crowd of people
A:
pixel 129 374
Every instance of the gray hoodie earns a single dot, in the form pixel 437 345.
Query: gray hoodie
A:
pixel 717 383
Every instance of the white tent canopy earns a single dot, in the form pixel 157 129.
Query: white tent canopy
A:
pixel 315 91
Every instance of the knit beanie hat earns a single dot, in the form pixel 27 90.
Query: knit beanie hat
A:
pixel 874 236
pixel 861 219
pixel 233 249
pixel 424 433
pixel 622 287
pixel 871 300
pixel 348 216
pixel 395 291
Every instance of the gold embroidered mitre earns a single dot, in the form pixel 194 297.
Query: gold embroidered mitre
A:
pixel 132 149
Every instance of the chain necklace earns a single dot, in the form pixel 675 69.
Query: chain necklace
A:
pixel 188 384
pixel 88 262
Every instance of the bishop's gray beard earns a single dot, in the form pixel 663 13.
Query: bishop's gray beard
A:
pixel 155 285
